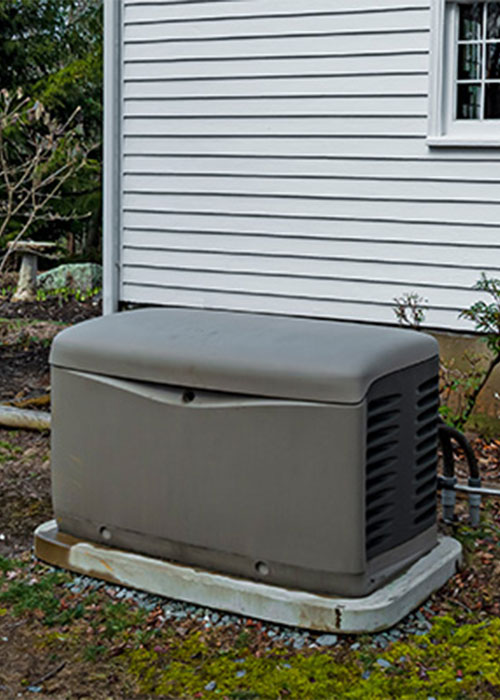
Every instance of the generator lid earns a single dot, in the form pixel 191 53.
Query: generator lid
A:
pixel 261 355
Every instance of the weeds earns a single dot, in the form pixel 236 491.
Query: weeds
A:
pixel 40 597
pixel 65 294
pixel 410 309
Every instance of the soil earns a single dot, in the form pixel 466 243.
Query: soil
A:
pixel 25 488
pixel 51 309
pixel 26 331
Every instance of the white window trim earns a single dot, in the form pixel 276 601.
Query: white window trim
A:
pixel 443 130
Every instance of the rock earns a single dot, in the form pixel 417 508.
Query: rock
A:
pixel 210 686
pixel 383 663
pixel 78 276
pixel 327 640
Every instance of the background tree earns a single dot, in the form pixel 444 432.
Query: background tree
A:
pixel 52 49
pixel 38 156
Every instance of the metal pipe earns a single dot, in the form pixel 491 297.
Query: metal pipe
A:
pixel 468 489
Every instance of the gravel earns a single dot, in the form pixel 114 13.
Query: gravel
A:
pixel 327 640
pixel 417 623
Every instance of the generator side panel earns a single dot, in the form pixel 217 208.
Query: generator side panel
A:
pixel 267 489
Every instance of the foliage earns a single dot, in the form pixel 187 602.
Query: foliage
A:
pixel 39 595
pixel 64 294
pixel 38 155
pixel 410 310
pixel 458 386
pixel 486 316
pixel 52 49
pixel 486 319
pixel 38 35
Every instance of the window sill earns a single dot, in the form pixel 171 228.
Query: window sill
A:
pixel 457 142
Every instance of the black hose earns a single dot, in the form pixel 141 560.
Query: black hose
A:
pixel 446 434
pixel 447 450
pixel 448 481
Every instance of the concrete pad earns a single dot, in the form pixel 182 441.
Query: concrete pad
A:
pixel 380 610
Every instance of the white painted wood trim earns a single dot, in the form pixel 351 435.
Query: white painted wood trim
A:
pixel 443 130
pixel 112 155
pixel 436 70
pixel 453 142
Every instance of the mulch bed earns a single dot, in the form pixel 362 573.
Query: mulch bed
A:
pixel 51 309
pixel 26 330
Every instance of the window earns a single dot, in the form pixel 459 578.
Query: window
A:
pixel 465 74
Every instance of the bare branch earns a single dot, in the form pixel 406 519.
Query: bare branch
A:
pixel 28 172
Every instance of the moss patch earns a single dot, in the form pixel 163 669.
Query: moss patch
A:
pixel 451 661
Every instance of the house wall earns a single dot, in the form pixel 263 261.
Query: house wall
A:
pixel 272 157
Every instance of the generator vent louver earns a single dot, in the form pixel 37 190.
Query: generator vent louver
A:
pixel 401 457
pixel 426 451
pixel 381 465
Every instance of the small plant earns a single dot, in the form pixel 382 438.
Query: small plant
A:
pixel 67 293
pixel 93 651
pixel 118 617
pixel 40 596
pixel 457 386
pixel 460 388
pixel 410 310
pixel 486 319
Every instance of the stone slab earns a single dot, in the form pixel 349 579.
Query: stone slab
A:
pixel 380 610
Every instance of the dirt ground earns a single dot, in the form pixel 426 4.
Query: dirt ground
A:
pixel 26 332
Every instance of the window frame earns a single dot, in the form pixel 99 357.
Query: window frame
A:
pixel 443 128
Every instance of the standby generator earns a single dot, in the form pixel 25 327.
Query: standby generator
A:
pixel 293 451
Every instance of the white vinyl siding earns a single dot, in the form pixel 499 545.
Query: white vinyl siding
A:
pixel 274 158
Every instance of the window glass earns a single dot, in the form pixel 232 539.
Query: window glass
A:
pixel 469 61
pixel 493 21
pixel 471 21
pixel 469 102
pixel 492 101
pixel 478 61
pixel 493 61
